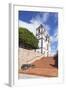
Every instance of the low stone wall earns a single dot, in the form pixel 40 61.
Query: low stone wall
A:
pixel 27 56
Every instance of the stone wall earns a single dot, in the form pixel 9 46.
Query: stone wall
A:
pixel 27 56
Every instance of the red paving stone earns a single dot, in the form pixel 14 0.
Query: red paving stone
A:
pixel 43 67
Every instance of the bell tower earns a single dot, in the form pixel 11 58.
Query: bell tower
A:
pixel 44 40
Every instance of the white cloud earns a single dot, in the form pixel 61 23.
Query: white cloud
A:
pixel 54 37
pixel 30 26
pixel 54 40
pixel 47 27
pixel 35 22
pixel 41 18
pixel 45 17
pixel 33 25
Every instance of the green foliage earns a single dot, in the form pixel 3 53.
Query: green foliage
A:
pixel 27 38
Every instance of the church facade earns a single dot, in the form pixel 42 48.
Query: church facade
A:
pixel 44 40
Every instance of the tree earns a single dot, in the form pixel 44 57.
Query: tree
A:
pixel 27 38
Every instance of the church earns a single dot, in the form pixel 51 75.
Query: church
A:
pixel 44 40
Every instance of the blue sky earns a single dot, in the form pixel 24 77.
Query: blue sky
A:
pixel 48 19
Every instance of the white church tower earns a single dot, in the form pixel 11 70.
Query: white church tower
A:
pixel 44 40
